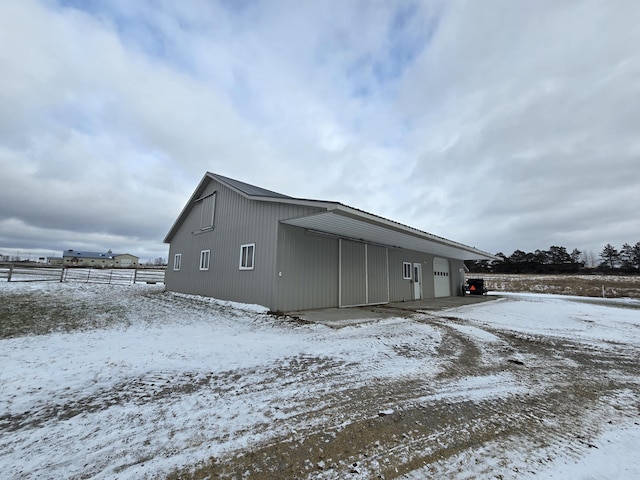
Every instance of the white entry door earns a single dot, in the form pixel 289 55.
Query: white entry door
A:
pixel 417 281
pixel 441 277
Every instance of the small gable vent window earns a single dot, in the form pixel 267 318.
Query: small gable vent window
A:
pixel 246 256
pixel 207 211
pixel 177 261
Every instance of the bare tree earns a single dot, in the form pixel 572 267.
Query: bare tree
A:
pixel 589 259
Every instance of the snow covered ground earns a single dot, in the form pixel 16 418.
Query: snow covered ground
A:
pixel 103 381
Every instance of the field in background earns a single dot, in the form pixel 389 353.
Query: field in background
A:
pixel 609 286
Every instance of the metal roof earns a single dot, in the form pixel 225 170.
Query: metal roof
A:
pixel 340 220
pixel 85 254
pixel 249 190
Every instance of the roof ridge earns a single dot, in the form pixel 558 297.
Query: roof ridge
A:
pixel 247 188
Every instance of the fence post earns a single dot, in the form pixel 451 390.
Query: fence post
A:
pixel 10 272
pixel 135 275
pixel 62 274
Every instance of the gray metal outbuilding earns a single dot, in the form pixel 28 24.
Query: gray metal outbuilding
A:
pixel 239 242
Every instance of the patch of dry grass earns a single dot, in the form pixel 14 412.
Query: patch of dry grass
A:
pixel 610 286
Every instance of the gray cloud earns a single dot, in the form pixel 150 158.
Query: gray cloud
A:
pixel 535 105
pixel 499 124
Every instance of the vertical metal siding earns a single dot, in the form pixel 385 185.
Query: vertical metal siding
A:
pixel 457 277
pixel 377 275
pixel 238 221
pixel 353 274
pixel 364 274
pixel 428 284
pixel 307 270
pixel 401 290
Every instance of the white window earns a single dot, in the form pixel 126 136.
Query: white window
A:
pixel 246 256
pixel 207 211
pixel 205 255
pixel 177 260
pixel 406 270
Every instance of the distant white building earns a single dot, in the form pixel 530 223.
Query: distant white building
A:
pixel 76 258
pixel 55 261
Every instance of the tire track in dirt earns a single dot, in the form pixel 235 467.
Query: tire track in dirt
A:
pixel 413 437
pixel 160 385
pixel 430 432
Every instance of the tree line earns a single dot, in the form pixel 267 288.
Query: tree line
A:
pixel 558 260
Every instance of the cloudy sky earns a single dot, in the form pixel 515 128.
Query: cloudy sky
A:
pixel 503 125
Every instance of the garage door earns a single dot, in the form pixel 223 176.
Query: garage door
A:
pixel 377 275
pixel 441 277
pixel 364 274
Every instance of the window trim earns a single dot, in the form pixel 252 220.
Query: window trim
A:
pixel 246 247
pixel 177 261
pixel 205 259
pixel 210 222
pixel 406 265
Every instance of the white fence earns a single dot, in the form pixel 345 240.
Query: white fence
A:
pixel 15 273
pixel 116 276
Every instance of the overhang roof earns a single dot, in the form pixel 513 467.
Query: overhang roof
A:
pixel 336 219
pixel 353 224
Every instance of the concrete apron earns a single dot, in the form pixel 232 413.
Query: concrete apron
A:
pixel 343 317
